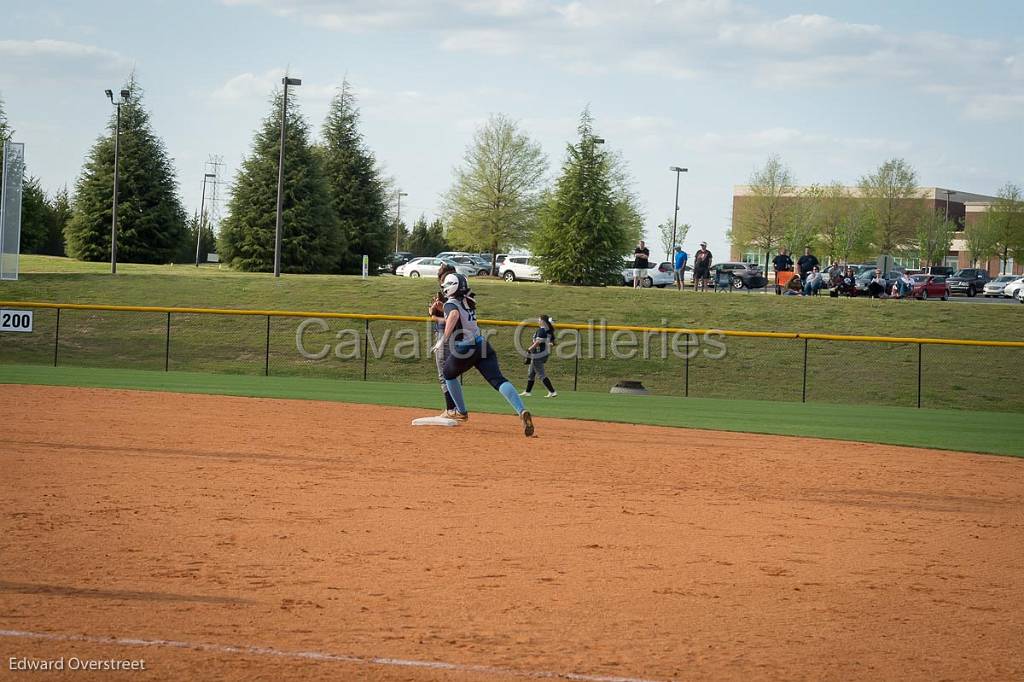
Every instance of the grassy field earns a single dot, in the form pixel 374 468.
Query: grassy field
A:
pixel 880 374
pixel 992 433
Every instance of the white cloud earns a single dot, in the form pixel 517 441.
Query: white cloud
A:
pixel 692 40
pixel 798 33
pixel 49 50
pixel 995 107
pixel 259 86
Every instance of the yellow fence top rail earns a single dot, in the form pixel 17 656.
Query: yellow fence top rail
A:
pixel 509 323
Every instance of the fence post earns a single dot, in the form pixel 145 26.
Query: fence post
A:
pixel 167 345
pixel 803 392
pixel 686 370
pixel 266 355
pixel 576 369
pixel 919 347
pixel 366 347
pixel 56 339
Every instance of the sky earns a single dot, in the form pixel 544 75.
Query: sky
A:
pixel 834 88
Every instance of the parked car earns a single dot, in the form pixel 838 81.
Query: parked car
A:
pixel 997 286
pixel 393 260
pixel 428 267
pixel 519 267
pixel 929 286
pixel 451 254
pixel 939 270
pixel 660 275
pixel 479 268
pixel 1020 294
pixel 864 279
pixel 743 274
pixel 969 281
pixel 1011 289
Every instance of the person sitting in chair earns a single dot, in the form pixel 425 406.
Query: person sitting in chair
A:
pixel 795 287
pixel 876 288
pixel 813 282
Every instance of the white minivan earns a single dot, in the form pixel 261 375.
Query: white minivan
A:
pixel 518 267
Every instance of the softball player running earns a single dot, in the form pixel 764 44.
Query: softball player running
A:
pixel 467 348
pixel 436 312
pixel 537 356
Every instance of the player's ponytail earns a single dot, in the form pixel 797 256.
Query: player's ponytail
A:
pixel 549 323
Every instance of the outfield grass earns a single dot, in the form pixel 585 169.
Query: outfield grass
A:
pixel 993 433
pixel 881 374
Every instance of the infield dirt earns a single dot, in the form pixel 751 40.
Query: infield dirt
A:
pixel 594 549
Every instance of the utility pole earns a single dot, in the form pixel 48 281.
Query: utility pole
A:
pixel 125 96
pixel 286 81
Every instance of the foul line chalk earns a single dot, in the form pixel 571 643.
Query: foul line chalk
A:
pixel 320 656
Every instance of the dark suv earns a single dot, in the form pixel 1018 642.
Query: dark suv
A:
pixel 969 281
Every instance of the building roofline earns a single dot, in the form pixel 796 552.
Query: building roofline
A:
pixel 934 193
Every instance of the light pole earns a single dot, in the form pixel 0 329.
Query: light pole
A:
pixel 677 170
pixel 286 81
pixel 202 215
pixel 125 96
pixel 948 193
pixel 398 217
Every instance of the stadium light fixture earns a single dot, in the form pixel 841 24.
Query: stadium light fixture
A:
pixel 286 81
pixel 398 216
pixel 117 174
pixel 675 216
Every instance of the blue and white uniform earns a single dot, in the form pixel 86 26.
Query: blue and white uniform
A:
pixel 469 349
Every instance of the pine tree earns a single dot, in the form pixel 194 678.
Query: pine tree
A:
pixel 437 240
pixel 419 239
pixel 584 228
pixel 5 132
pixel 35 217
pixel 150 217
pixel 60 216
pixel 356 188
pixel 311 239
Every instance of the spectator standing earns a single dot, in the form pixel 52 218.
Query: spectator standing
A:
pixel 701 267
pixel 781 263
pixel 641 261
pixel 807 262
pixel 679 266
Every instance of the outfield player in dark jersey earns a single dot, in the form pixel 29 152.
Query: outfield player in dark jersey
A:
pixel 469 349
pixel 537 356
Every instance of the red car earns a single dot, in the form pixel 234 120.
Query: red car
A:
pixel 930 286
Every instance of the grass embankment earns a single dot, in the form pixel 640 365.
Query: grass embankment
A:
pixel 879 374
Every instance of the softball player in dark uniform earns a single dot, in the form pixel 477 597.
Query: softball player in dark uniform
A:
pixel 537 356
pixel 469 349
pixel 436 312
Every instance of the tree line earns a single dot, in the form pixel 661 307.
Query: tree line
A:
pixel 336 204
pixel 885 213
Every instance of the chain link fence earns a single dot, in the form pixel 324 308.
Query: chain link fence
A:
pixel 904 373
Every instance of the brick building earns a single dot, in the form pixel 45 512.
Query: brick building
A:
pixel 965 208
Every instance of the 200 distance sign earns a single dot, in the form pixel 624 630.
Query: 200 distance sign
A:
pixel 15 320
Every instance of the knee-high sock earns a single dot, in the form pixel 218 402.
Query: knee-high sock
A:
pixel 455 391
pixel 509 391
pixel 548 384
pixel 529 385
